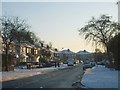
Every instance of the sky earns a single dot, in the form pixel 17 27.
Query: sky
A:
pixel 58 22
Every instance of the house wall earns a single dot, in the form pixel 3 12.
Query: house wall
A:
pixel 85 57
pixel 64 57
pixel 36 54
pixel 52 56
pixel 25 50
pixel 28 50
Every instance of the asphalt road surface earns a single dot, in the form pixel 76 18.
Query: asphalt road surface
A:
pixel 63 78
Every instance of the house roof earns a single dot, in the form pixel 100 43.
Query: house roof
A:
pixel 23 56
pixel 55 51
pixel 26 45
pixel 83 52
pixel 37 46
pixel 67 52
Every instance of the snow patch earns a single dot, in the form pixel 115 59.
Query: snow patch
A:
pixel 100 77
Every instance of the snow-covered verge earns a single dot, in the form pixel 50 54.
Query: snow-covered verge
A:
pixel 22 73
pixel 100 77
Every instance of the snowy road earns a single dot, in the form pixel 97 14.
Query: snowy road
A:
pixel 23 73
pixel 100 77
pixel 63 78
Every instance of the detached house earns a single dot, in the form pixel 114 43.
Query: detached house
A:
pixel 25 53
pixel 29 52
pixel 55 55
pixel 68 53
pixel 36 52
pixel 84 56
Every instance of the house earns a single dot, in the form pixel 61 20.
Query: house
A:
pixel 36 52
pixel 84 56
pixel 24 52
pixel 30 53
pixel 54 55
pixel 66 54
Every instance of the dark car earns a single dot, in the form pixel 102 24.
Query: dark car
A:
pixel 93 63
pixel 87 65
pixel 101 63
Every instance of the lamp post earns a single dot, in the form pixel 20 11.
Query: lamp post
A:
pixel 17 57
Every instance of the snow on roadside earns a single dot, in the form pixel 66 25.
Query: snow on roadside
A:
pixel 100 77
pixel 21 73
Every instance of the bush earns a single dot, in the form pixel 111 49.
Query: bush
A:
pixel 48 64
pixel 9 63
pixel 114 48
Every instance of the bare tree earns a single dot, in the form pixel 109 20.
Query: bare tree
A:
pixel 13 28
pixel 32 38
pixel 100 30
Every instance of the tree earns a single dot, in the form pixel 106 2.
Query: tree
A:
pixel 99 56
pixel 56 49
pixel 113 47
pixel 100 30
pixel 13 28
pixel 31 37
pixel 49 46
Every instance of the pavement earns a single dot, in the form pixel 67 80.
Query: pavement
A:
pixel 100 77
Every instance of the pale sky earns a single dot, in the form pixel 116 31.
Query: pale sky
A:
pixel 58 22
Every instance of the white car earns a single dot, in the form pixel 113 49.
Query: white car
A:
pixel 70 62
pixel 76 62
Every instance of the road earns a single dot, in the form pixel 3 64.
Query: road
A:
pixel 63 78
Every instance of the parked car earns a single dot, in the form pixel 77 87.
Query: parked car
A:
pixel 93 64
pixel 70 62
pixel 87 65
pixel 64 62
pixel 76 61
pixel 101 63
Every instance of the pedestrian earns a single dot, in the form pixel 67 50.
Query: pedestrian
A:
pixel 55 64
pixel 59 63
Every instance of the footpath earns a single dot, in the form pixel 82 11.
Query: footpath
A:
pixel 100 77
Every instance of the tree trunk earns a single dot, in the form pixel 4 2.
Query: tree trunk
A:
pixel 6 52
pixel 18 47
pixel 109 57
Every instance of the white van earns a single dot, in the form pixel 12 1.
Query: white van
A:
pixel 70 62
